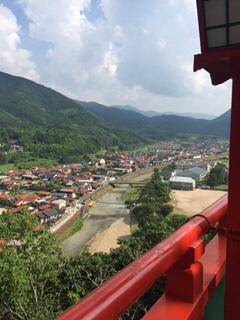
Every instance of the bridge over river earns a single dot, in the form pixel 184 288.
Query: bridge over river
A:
pixel 130 183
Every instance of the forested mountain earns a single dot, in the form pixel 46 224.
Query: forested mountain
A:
pixel 50 125
pixel 161 126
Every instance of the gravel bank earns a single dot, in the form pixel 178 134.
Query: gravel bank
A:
pixel 186 202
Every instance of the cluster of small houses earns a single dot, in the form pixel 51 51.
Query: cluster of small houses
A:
pixel 49 207
pixel 78 179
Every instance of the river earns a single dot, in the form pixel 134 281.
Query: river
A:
pixel 106 210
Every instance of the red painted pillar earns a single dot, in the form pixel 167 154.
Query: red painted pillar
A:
pixel 232 285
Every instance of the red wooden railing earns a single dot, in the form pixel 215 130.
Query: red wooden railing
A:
pixel 181 256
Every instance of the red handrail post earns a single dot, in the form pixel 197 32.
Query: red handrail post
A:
pixel 184 280
pixel 232 283
pixel 116 295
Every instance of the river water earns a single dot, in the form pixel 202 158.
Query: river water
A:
pixel 106 210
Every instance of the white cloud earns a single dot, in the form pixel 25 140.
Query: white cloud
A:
pixel 13 59
pixel 51 19
pixel 109 63
pixel 115 52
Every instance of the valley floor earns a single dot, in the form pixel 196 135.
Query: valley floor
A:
pixel 185 202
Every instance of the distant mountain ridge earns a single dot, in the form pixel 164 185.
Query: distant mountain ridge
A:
pixel 160 125
pixel 151 113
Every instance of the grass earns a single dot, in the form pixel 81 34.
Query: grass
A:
pixel 222 187
pixel 76 226
pixel 131 194
pixel 5 167
pixel 46 163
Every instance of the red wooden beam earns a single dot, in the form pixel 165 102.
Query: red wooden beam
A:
pixel 170 307
pixel 116 295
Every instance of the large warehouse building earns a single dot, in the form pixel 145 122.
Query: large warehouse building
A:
pixel 195 173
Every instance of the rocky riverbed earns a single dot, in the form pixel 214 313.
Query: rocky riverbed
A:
pixel 109 220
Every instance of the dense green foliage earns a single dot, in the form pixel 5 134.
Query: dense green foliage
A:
pixel 51 126
pixel 86 272
pixel 217 175
pixel 6 203
pixel 30 260
pixel 42 283
pixel 154 198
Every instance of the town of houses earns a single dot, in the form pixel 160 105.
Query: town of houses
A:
pixel 51 193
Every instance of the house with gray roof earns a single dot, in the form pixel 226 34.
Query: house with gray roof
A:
pixel 48 216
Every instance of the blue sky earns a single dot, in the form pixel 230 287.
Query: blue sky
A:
pixel 115 52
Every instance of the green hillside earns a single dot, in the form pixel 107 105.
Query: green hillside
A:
pixel 161 126
pixel 49 125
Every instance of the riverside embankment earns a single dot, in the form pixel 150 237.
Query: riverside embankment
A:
pixel 108 208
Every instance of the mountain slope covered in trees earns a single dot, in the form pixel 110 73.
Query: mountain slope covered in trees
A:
pixel 161 126
pixel 50 125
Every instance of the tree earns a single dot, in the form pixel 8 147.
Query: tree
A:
pixel 147 194
pixel 144 210
pixel 30 261
pixel 52 186
pixel 176 220
pixel 165 209
pixel 82 274
pixel 3 158
pixel 217 175
pixel 6 203
pixel 155 191
pixel 170 167
pixel 156 174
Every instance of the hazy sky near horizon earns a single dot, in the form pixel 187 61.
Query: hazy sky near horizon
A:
pixel 114 52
